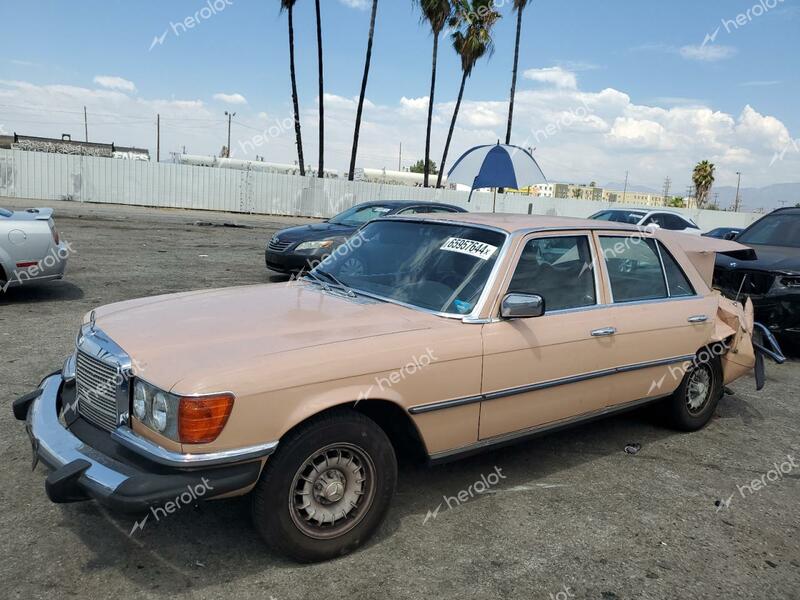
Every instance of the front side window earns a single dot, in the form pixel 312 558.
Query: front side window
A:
pixel 442 267
pixel 619 216
pixel 634 268
pixel 559 269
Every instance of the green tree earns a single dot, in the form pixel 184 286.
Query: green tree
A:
pixel 472 22
pixel 363 90
pixel 436 13
pixel 419 167
pixel 519 6
pixel 288 6
pixel 703 179
pixel 321 166
pixel 675 202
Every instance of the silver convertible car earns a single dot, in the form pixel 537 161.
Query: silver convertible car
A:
pixel 30 247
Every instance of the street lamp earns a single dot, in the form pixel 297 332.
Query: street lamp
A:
pixel 230 116
pixel 738 184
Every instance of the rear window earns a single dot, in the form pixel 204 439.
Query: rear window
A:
pixel 5 213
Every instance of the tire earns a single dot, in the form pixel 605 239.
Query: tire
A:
pixel 325 466
pixel 692 405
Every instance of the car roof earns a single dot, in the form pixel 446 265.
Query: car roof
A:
pixel 396 204
pixel 512 223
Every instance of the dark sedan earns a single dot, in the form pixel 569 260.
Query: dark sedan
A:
pixel 772 281
pixel 301 248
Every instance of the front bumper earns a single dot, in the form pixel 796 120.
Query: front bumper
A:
pixel 117 476
pixel 291 262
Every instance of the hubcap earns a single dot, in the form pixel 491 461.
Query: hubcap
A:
pixel 698 390
pixel 332 491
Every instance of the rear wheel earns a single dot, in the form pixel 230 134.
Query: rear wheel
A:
pixel 327 489
pixel 692 405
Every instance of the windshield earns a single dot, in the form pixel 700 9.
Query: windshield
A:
pixel 619 216
pixel 437 267
pixel 774 230
pixel 358 215
pixel 5 213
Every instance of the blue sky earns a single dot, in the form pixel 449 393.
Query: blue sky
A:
pixel 660 81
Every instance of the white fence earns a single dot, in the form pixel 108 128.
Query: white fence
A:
pixel 43 176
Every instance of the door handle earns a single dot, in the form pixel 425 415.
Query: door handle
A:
pixel 698 319
pixel 605 331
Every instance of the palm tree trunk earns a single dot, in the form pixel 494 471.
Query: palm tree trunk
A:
pixel 360 110
pixel 452 128
pixel 295 101
pixel 321 166
pixel 427 167
pixel 514 77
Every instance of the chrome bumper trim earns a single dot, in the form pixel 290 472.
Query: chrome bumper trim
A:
pixel 127 437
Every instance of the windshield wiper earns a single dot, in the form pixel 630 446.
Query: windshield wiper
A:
pixel 316 279
pixel 337 282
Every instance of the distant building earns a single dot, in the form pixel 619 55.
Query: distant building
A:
pixel 631 197
pixel 66 145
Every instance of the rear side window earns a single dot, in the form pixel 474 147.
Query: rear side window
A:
pixel 679 285
pixel 559 269
pixel 634 268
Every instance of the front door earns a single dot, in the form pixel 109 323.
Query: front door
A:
pixel 541 370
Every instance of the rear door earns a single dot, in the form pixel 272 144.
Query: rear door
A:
pixel 660 320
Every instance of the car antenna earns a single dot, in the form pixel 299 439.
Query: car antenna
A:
pixel 741 285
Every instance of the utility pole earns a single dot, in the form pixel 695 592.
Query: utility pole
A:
pixel 625 191
pixel 667 186
pixel 158 138
pixel 230 116
pixel 738 184
pixel 85 124
pixel 400 160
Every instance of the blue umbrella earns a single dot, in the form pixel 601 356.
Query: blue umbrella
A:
pixel 496 166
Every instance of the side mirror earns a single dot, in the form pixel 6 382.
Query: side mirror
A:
pixel 522 306
pixel 731 235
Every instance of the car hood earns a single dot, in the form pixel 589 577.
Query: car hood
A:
pixel 781 259
pixel 314 232
pixel 177 340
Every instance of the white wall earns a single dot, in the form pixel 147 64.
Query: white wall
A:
pixel 43 176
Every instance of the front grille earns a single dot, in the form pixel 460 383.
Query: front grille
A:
pixel 97 391
pixel 276 245
pixel 729 281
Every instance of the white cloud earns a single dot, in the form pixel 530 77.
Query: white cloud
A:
pixel 554 75
pixel 579 135
pixel 707 52
pixel 230 98
pixel 111 82
pixel 359 4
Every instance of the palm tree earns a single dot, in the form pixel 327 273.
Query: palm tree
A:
pixel 436 13
pixel 519 6
pixel 363 91
pixel 321 94
pixel 472 39
pixel 288 6
pixel 703 179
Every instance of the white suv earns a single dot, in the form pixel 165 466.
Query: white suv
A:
pixel 655 218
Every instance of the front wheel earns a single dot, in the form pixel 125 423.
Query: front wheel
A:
pixel 692 405
pixel 327 488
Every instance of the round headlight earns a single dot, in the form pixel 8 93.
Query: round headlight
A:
pixel 139 401
pixel 159 415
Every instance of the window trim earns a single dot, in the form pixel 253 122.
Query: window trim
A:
pixel 660 245
pixel 540 235
pixel 669 295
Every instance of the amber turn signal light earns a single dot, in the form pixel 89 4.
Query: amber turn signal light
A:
pixel 201 420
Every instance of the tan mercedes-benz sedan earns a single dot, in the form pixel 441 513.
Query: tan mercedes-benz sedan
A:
pixel 444 335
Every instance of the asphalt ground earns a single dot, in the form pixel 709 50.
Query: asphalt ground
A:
pixel 573 515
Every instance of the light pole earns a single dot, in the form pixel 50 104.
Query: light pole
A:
pixel 230 116
pixel 738 184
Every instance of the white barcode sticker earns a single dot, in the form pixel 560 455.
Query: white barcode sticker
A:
pixel 470 247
